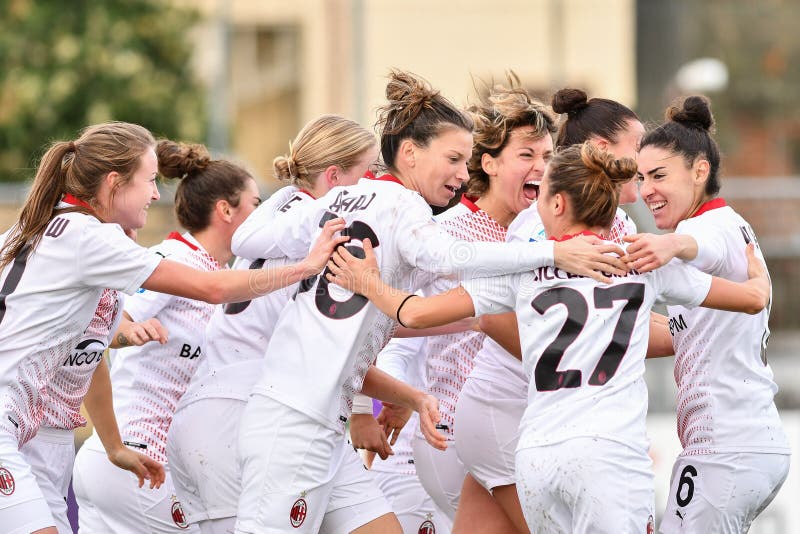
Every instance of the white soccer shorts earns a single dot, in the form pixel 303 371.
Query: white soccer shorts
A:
pixel 441 474
pixel 412 505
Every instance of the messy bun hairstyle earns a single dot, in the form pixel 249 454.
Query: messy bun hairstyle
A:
pixel 687 131
pixel 414 111
pixel 587 118
pixel 325 141
pixel 591 177
pixel 495 117
pixel 204 181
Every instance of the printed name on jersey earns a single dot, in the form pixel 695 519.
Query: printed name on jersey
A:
pixel 7 484
pixel 290 203
pixel 677 324
pixel 350 204
pixel 81 356
pixel 542 274
pixel 187 352
pixel 748 234
pixel 56 227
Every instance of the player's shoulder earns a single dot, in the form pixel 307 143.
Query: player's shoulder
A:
pixel 527 226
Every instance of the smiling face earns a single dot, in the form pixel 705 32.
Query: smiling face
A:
pixel 438 170
pixel 671 190
pixel 515 174
pixel 131 201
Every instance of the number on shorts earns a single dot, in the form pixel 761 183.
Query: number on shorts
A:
pixel 686 480
pixel 546 373
pixel 13 278
pixel 327 306
pixel 233 308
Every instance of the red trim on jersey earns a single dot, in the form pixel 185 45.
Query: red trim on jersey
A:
pixel 570 236
pixel 307 192
pixel 388 178
pixel 369 175
pixel 75 201
pixel 469 202
pixel 712 204
pixel 178 237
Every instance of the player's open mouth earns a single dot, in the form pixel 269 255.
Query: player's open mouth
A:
pixel 655 206
pixel 531 190
pixel 453 189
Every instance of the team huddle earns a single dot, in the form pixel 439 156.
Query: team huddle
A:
pixel 488 361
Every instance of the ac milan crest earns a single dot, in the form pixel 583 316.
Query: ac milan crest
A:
pixel 178 516
pixel 427 527
pixel 651 525
pixel 298 513
pixel 7 484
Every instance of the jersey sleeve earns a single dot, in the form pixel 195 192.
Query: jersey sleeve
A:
pixel 711 250
pixel 428 247
pixel 110 259
pixel 397 357
pixel 276 237
pixel 495 294
pixel 682 284
pixel 247 240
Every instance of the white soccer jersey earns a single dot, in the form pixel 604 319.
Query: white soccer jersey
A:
pixel 66 390
pixel 321 331
pixel 238 334
pixel 725 385
pixel 47 298
pixel 450 357
pixel 493 362
pixel 247 241
pixel 149 380
pixel 584 344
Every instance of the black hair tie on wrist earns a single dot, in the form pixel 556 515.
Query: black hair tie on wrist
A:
pixel 401 307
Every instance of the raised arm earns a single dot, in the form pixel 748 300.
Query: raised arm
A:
pixel 749 297
pixel 240 285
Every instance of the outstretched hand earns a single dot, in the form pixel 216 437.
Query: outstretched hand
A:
pixel 144 467
pixel 648 251
pixel 352 273
pixel 138 334
pixel 591 257
pixel 324 246
pixel 392 419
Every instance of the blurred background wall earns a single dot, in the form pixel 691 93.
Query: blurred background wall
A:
pixel 243 76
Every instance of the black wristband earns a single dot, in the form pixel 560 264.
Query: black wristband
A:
pixel 401 307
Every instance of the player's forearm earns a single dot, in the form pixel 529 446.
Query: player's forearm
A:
pixel 382 386
pixel 659 343
pixel 503 329
pixel 683 246
pixel 100 407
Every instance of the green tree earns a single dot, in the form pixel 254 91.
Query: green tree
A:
pixel 64 65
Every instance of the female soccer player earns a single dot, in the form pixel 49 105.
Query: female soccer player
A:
pixel 329 151
pixel 212 199
pixel 496 389
pixel 582 463
pixel 68 247
pixel 512 145
pixel 735 453
pixel 317 481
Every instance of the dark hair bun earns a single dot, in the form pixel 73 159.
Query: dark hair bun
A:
pixel 693 112
pixel 407 94
pixel 569 101
pixel 179 160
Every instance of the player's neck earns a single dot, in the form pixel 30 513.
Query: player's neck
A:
pixel 568 230
pixel 496 209
pixel 217 245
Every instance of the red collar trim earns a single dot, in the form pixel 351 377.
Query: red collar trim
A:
pixel 570 236
pixel 178 237
pixel 307 192
pixel 369 175
pixel 469 202
pixel 75 201
pixel 712 204
pixel 388 178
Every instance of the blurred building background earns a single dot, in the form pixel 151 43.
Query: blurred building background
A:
pixel 243 76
